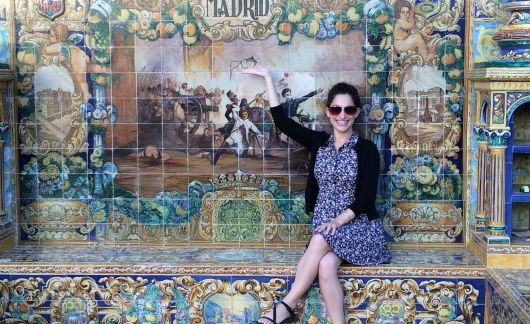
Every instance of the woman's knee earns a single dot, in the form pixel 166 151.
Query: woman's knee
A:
pixel 318 242
pixel 327 267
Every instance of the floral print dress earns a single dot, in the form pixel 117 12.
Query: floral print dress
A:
pixel 360 241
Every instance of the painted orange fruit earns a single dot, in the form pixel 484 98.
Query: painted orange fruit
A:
pixel 381 19
pixel 342 26
pixel 449 58
pixel 189 29
pixel 285 28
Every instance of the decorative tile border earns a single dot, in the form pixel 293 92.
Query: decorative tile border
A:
pixel 503 249
pixel 509 250
pixel 198 299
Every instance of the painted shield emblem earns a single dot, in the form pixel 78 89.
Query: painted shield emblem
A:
pixel 50 8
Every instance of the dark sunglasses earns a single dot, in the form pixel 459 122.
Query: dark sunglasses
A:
pixel 336 110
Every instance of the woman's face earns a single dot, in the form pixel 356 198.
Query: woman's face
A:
pixel 342 122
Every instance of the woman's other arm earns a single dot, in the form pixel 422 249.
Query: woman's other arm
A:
pixel 367 180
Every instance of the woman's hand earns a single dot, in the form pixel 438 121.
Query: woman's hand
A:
pixel 346 216
pixel 274 100
pixel 329 227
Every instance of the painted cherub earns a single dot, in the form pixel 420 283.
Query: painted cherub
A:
pixel 406 35
pixel 56 44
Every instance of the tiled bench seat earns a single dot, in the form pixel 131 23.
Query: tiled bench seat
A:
pixel 230 285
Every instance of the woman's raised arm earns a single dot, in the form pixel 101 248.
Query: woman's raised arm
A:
pixel 286 125
pixel 274 100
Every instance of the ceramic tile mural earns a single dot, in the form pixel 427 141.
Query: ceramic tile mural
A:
pixel 488 15
pixel 6 30
pixel 126 124
pixel 7 156
pixel 484 47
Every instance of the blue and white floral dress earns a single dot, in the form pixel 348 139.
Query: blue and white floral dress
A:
pixel 360 241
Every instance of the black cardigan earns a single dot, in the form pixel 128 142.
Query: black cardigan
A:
pixel 367 173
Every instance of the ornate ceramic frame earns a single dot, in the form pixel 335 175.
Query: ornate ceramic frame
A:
pixel 405 145
pixel 184 297
pixel 74 130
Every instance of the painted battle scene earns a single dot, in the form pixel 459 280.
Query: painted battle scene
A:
pixel 141 115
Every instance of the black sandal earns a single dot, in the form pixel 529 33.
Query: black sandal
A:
pixel 289 319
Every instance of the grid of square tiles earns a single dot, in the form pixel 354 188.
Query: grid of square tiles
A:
pixel 170 99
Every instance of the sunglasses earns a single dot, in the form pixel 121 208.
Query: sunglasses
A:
pixel 336 110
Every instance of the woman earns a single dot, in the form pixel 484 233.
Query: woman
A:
pixel 340 191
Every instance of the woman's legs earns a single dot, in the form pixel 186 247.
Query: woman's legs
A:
pixel 330 287
pixel 307 269
pixel 306 272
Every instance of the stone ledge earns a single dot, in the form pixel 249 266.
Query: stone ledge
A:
pixel 500 255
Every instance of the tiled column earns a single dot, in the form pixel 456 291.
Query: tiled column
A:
pixel 496 228
pixel 99 117
pixel 3 129
pixel 482 190
pixel 2 213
